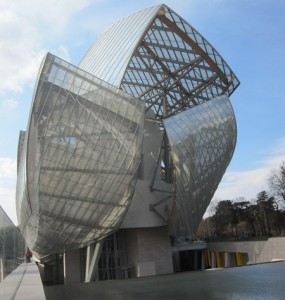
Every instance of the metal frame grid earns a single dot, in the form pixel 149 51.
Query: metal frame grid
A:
pixel 202 142
pixel 82 154
pixel 174 68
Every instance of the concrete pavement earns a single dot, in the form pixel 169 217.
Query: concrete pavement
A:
pixel 24 283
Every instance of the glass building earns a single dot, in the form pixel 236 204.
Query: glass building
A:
pixel 12 247
pixel 131 143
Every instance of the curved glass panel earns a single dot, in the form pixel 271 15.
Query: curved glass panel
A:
pixel 157 56
pixel 202 141
pixel 109 55
pixel 82 151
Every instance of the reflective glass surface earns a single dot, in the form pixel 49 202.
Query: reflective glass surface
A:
pixel 202 141
pixel 12 246
pixel 79 159
pixel 109 55
pixel 157 56
pixel 174 68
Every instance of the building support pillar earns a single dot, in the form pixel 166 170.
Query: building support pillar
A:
pixel 213 259
pixel 176 262
pixel 72 268
pixel 1 270
pixel 92 259
pixel 203 260
pixel 227 260
pixel 196 258
pixel 47 272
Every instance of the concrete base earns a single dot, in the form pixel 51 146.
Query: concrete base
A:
pixel 149 250
pixel 72 267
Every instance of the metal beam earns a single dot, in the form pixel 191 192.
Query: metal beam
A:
pixel 92 259
pixel 82 199
pixel 202 86
pixel 194 46
pixel 164 67
pixel 190 64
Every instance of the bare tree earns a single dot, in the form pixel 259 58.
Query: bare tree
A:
pixel 277 182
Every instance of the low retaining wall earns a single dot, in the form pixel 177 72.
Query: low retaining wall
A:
pixel 257 251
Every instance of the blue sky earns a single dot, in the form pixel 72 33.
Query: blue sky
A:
pixel 249 34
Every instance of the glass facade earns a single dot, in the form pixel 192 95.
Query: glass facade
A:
pixel 182 78
pixel 202 141
pixel 12 246
pixel 110 54
pixel 157 56
pixel 79 159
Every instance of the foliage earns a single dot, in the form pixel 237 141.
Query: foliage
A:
pixel 239 218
